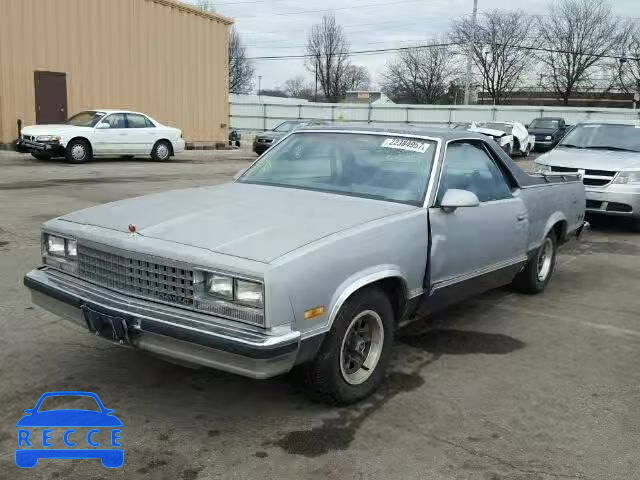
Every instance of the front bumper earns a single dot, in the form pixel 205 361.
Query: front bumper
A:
pixel 616 200
pixel 171 332
pixel 30 146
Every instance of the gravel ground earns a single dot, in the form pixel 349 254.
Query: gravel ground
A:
pixel 503 386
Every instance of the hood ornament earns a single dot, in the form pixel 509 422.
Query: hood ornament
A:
pixel 133 229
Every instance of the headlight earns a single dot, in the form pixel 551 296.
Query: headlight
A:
pixel 47 138
pixel 627 177
pixel 540 168
pixel 548 137
pixel 220 286
pixel 249 293
pixel 55 246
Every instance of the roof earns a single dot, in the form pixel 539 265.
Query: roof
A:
pixel 193 10
pixel 445 134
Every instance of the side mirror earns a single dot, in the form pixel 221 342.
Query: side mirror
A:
pixel 102 126
pixel 454 199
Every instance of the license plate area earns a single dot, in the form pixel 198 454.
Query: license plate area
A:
pixel 114 328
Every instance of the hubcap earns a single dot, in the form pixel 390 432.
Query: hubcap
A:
pixel 361 347
pixel 544 260
pixel 78 152
pixel 162 151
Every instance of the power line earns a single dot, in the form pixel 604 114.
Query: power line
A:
pixel 362 5
pixel 345 27
pixel 365 43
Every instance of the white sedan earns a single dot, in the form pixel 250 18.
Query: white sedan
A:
pixel 96 133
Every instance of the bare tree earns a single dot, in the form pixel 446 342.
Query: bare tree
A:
pixel 298 87
pixel 206 5
pixel 418 74
pixel 328 50
pixel 627 68
pixel 577 34
pixel 356 77
pixel 498 49
pixel 241 69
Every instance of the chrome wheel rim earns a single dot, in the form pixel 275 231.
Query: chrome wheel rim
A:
pixel 78 152
pixel 544 260
pixel 162 151
pixel 361 347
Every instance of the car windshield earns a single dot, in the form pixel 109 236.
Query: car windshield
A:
pixel 64 402
pixel 604 136
pixel 548 124
pixel 383 167
pixel 496 126
pixel 286 126
pixel 85 119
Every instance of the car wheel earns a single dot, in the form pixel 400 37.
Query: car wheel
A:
pixel 78 151
pixel 41 156
pixel 539 269
pixel 527 151
pixel 238 143
pixel 508 149
pixel 161 151
pixel 353 358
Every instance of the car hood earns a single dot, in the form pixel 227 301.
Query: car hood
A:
pixel 272 135
pixel 488 131
pixel 53 129
pixel 256 222
pixel 590 159
pixel 69 418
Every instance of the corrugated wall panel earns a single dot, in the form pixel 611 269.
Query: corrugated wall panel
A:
pixel 135 54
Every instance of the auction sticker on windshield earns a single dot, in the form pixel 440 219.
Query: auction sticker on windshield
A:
pixel 406 144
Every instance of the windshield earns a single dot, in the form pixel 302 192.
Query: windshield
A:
pixel 547 124
pixel 496 126
pixel 604 136
pixel 286 126
pixel 85 119
pixel 384 167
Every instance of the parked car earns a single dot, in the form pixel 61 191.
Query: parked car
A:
pixel 264 140
pixel 548 131
pixel 313 255
pixel 513 137
pixel 95 133
pixel 607 156
pixel 234 138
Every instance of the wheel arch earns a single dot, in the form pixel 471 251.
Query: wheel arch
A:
pixel 79 137
pixel 558 224
pixel 163 139
pixel 389 278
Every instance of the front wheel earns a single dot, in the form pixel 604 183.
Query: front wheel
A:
pixel 353 358
pixel 78 151
pixel 161 151
pixel 539 269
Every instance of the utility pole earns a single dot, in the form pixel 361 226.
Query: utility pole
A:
pixel 470 48
pixel 315 96
pixel 259 88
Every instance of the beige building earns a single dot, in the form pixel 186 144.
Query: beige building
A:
pixel 161 57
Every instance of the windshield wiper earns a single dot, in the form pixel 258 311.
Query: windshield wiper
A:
pixel 618 149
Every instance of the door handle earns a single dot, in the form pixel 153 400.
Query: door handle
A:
pixel 522 217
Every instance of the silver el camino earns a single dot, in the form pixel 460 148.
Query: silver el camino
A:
pixel 313 256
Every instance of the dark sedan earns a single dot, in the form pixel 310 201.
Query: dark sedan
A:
pixel 264 140
pixel 548 132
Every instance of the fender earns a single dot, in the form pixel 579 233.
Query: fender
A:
pixel 362 279
pixel 555 217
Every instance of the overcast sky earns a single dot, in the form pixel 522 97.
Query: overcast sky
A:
pixel 273 27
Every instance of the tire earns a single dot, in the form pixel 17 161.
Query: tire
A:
pixel 161 151
pixel 334 375
pixel 238 143
pixel 539 269
pixel 41 156
pixel 527 151
pixel 508 149
pixel 78 151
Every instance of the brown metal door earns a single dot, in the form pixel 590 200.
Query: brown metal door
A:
pixel 51 97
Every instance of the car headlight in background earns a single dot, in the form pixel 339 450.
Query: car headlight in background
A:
pixel 627 177
pixel 540 168
pixel 47 138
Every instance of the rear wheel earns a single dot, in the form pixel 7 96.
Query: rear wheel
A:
pixel 161 151
pixel 353 358
pixel 78 151
pixel 537 274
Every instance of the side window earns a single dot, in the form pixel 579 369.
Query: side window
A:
pixel 138 121
pixel 115 120
pixel 467 166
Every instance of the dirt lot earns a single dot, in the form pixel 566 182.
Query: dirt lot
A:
pixel 502 387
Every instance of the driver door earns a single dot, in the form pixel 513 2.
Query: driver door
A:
pixel 475 249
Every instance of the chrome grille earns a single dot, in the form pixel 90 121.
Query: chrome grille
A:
pixel 150 279
pixel 596 178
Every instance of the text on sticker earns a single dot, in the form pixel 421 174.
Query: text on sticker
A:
pixel 406 144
